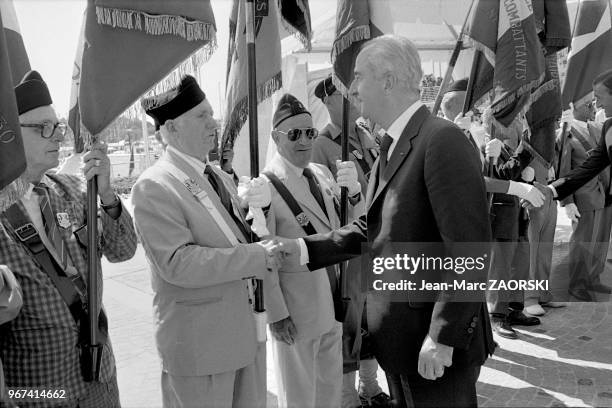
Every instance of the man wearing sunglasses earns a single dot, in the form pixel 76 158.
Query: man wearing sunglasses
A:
pixel 49 260
pixel 306 329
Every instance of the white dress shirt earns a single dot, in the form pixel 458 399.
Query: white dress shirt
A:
pixel 398 126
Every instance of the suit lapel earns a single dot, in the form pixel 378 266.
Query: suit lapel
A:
pixel 212 194
pixel 401 150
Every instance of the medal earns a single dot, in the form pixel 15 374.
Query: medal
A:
pixel 63 220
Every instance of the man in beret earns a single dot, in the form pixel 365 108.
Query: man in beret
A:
pixel 45 249
pixel 307 334
pixel 201 255
pixel 363 151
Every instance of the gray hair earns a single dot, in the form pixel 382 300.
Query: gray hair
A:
pixel 395 54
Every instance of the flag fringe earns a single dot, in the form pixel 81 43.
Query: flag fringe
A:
pixel 356 34
pixel 239 114
pixel 305 40
pixel 343 89
pixel 518 93
pixel 12 193
pixel 191 30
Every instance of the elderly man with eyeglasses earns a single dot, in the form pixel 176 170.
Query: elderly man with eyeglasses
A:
pixel 43 247
pixel 306 330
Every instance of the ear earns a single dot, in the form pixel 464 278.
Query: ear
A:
pixel 275 136
pixel 389 82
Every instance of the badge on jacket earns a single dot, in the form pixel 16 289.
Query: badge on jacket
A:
pixel 63 220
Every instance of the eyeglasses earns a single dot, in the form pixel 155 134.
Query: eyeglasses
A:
pixel 47 129
pixel 295 134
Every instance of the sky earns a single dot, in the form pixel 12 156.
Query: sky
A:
pixel 50 30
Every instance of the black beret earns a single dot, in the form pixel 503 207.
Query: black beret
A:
pixel 287 107
pixel 32 93
pixel 458 85
pixel 175 102
pixel 325 88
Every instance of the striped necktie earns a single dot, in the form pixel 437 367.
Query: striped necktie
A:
pixel 51 229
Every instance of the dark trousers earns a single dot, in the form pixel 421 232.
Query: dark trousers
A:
pixel 456 388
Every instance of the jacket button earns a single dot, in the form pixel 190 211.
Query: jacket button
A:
pixel 470 330
pixel 473 324
pixel 475 319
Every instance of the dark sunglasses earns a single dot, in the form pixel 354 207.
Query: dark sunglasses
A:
pixel 47 129
pixel 295 134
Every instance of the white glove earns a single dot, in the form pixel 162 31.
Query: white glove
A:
pixel 572 212
pixel 567 116
pixel 464 122
pixel 347 177
pixel 254 193
pixel 493 148
pixel 527 192
pixel 528 174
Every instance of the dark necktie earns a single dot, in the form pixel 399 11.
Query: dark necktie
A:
pixel 314 189
pixel 51 229
pixel 226 199
pixel 384 152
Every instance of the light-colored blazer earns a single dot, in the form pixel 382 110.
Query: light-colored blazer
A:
pixel 306 296
pixel 204 323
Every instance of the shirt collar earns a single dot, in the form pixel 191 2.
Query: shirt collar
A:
pixel 397 127
pixel 198 165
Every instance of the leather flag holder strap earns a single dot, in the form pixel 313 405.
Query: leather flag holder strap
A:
pixel 340 305
pixel 72 289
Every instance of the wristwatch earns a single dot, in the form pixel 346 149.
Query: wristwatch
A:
pixel 114 204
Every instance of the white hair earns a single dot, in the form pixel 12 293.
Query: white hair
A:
pixel 395 54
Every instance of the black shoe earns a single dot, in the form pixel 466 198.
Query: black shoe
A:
pixel 581 294
pixel 518 318
pixel 380 400
pixel 600 287
pixel 502 328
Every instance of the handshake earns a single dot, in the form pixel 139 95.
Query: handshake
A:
pixel 280 252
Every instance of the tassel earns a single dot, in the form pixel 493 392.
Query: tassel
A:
pixel 359 33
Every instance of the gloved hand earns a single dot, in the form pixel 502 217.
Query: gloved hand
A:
pixel 347 177
pixel 493 148
pixel 567 116
pixel 464 122
pixel 254 193
pixel 528 174
pixel 527 192
pixel 572 212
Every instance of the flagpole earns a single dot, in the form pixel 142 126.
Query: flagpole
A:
pixel 565 128
pixel 258 306
pixel 451 63
pixel 344 142
pixel 91 349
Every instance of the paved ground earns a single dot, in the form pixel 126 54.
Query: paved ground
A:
pixel 566 361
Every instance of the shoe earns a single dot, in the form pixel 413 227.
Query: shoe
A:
pixel 503 328
pixel 600 287
pixel 581 294
pixel 553 305
pixel 380 400
pixel 535 310
pixel 518 318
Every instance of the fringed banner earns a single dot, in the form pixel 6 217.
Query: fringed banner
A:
pixel 268 54
pixel 295 17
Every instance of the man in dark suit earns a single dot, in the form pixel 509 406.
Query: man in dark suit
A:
pixel 598 160
pixel 426 187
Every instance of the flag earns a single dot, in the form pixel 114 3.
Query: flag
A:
pixel 591 52
pixel 268 54
pixel 74 114
pixel 12 156
pixel 130 45
pixel 512 61
pixel 295 16
pixel 18 58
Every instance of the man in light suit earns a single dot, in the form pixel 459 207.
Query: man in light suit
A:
pixel 307 339
pixel 200 254
pixel 426 188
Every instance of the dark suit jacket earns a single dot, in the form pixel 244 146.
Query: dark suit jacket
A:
pixel 431 191
pixel 599 159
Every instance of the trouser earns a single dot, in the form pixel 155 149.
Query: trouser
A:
pixel 582 248
pixel 602 239
pixel 541 233
pixel 520 267
pixel 309 372
pixel 100 395
pixel 242 388
pixel 368 384
pixel 501 270
pixel 456 388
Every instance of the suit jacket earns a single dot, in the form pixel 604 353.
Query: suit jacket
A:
pixel 45 327
pixel 305 296
pixel 597 161
pixel 431 191
pixel 204 323
pixel 591 196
